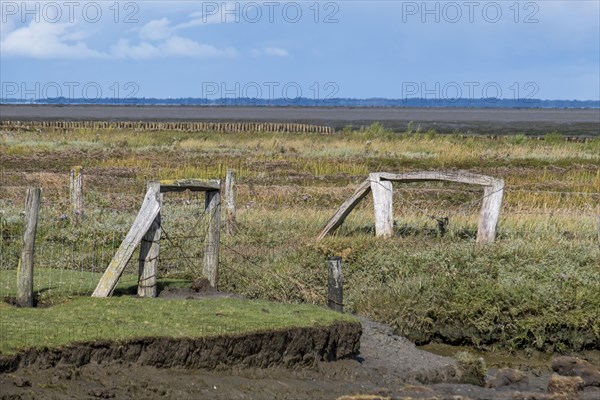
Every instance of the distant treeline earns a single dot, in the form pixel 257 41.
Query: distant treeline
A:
pixel 336 102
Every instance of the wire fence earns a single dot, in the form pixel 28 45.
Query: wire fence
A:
pixel 71 255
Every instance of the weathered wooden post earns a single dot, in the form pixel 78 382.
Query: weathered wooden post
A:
pixel 490 211
pixel 335 284
pixel 25 269
pixel 76 191
pixel 383 194
pixel 230 220
pixel 144 220
pixel 211 251
pixel 149 249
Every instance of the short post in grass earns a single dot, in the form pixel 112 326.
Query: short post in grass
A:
pixel 149 249
pixel 25 269
pixel 212 206
pixel 335 284
pixel 76 191
pixel 230 218
pixel 598 230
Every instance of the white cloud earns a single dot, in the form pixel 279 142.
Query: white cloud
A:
pixel 175 46
pixel 46 40
pixel 276 51
pixel 158 40
pixel 270 51
pixel 213 13
pixel 184 47
pixel 156 29
pixel 74 36
pixel 5 27
pixel 142 51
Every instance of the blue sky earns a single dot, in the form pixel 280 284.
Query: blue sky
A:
pixel 394 49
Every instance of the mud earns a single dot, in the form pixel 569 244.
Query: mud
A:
pixel 476 120
pixel 389 366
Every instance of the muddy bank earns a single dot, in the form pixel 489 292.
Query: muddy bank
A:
pixel 389 366
pixel 288 348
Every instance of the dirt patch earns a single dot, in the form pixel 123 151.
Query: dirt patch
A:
pixel 200 289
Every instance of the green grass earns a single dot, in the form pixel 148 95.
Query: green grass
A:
pixel 537 290
pixel 52 286
pixel 122 318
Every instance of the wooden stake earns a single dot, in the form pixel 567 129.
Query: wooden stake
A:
pixel 148 212
pixel 25 269
pixel 230 221
pixel 335 284
pixel 76 191
pixel 383 193
pixel 340 215
pixel 211 251
pixel 598 230
pixel 149 250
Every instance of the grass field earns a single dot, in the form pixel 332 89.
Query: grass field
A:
pixel 537 287
pixel 57 285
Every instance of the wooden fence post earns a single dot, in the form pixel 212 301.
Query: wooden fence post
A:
pixel 383 194
pixel 76 191
pixel 149 249
pixel 144 220
pixel 490 211
pixel 230 221
pixel 212 206
pixel 25 269
pixel 335 284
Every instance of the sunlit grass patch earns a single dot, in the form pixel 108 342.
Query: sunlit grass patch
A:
pixel 87 319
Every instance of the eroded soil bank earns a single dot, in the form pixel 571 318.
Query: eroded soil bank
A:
pixel 288 348
pixel 388 365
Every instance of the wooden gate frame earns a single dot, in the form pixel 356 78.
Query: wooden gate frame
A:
pixel 380 184
pixel 146 229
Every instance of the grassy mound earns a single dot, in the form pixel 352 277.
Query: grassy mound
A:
pixel 121 318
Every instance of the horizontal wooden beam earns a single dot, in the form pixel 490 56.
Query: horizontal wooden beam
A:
pixel 194 185
pixel 450 176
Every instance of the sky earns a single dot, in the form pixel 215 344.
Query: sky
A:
pixel 286 49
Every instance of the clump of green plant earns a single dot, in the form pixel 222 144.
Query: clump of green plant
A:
pixel 471 369
pixel 554 138
pixel 375 131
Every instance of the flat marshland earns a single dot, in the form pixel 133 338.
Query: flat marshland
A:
pixel 536 288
